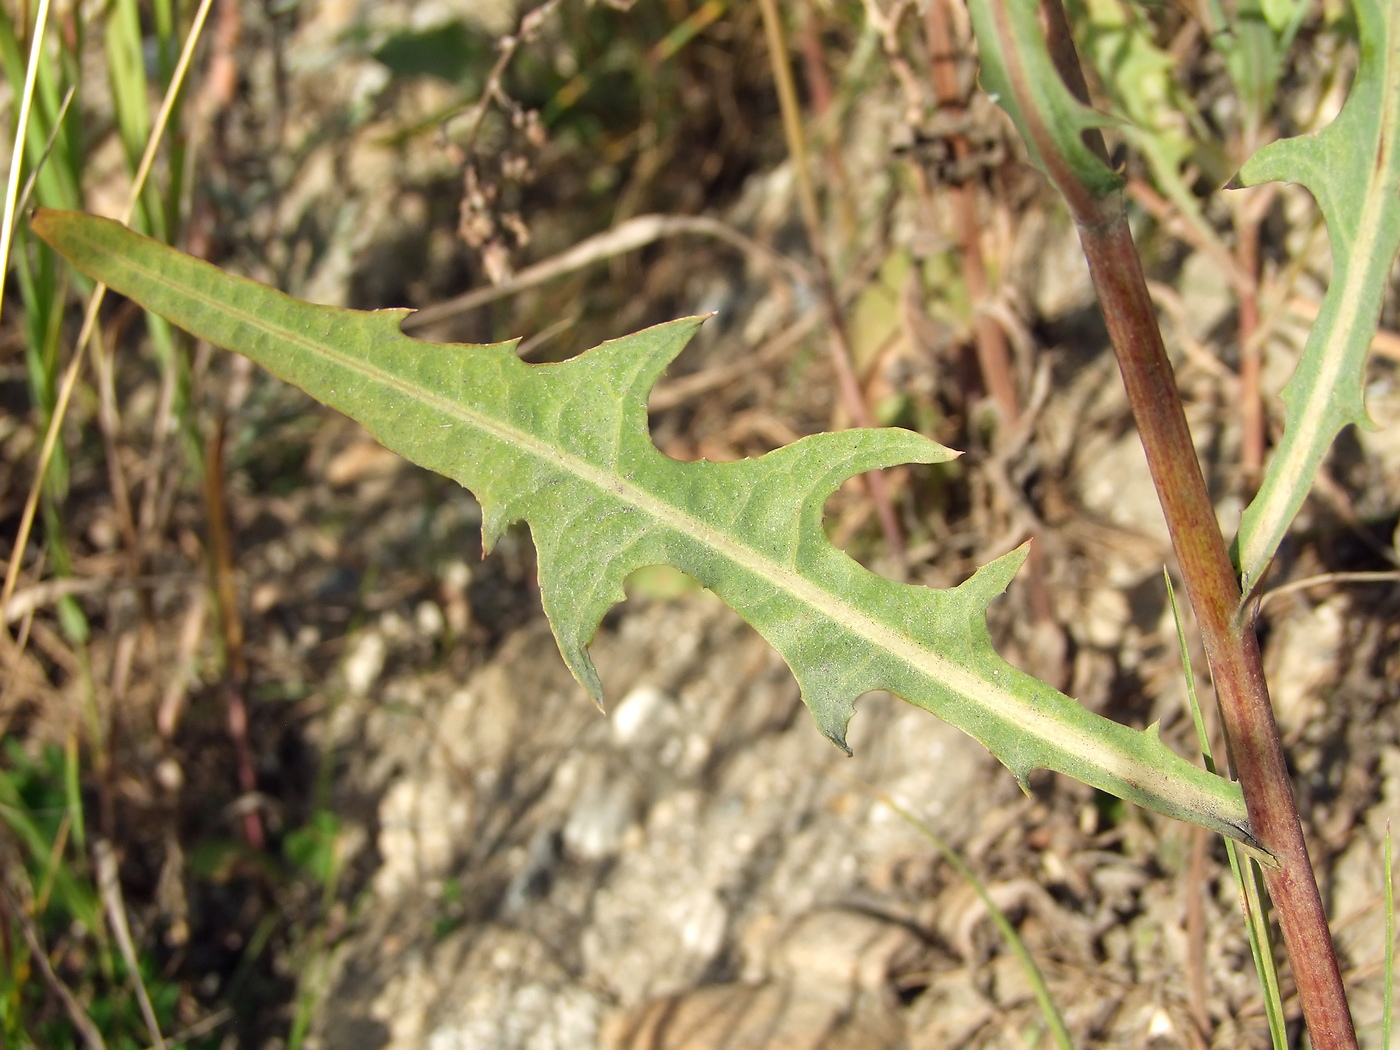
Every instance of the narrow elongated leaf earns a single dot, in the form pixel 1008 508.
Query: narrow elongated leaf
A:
pixel 1352 167
pixel 565 447
pixel 1017 70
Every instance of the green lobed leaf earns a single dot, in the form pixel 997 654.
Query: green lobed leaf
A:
pixel 1017 71
pixel 566 448
pixel 1352 168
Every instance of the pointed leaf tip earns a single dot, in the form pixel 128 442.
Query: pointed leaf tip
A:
pixel 993 578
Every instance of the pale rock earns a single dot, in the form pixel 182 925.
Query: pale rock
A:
pixel 1207 288
pixel 701 918
pixel 1116 485
pixel 600 819
pixel 1302 662
pixel 497 991
pixel 1103 618
pixel 644 714
pixel 1061 274
pixel 365 663
pixel 428 618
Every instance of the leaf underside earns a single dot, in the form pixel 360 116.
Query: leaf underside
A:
pixel 1015 67
pixel 566 448
pixel 1352 168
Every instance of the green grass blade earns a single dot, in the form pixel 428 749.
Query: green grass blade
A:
pixel 1389 981
pixel 565 447
pixel 70 376
pixel 1048 1010
pixel 72 894
pixel 58 181
pixel 1352 168
pixel 72 793
pixel 7 222
pixel 1248 878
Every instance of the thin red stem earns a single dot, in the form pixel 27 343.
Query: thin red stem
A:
pixel 1231 646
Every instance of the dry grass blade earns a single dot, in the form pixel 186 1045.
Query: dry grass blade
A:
pixel 110 888
pixel 1326 578
pixel 679 391
pixel 625 237
pixel 26 602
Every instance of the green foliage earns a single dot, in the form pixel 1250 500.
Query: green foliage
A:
pixel 1254 39
pixel 1016 64
pixel 35 805
pixel 313 848
pixel 451 51
pixel 40 810
pixel 1155 114
pixel 1352 167
pixel 565 447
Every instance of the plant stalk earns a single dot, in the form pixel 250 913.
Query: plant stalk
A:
pixel 847 382
pixel 993 355
pixel 1231 646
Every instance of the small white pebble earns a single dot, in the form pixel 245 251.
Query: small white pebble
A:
pixel 640 709
pixel 428 616
pixel 365 663
pixel 1160 1025
pixel 169 774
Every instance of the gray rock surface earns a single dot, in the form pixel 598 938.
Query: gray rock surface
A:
pixel 549 878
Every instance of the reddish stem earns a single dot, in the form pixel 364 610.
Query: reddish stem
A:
pixel 1230 643
pixel 236 672
pixel 993 355
pixel 1229 640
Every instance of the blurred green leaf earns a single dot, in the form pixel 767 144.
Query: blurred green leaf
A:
pixel 450 51
pixel 313 847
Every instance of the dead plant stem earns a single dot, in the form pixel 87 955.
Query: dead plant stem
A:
pixel 109 886
pixel 530 26
pixel 847 382
pixel 71 1006
pixel 231 622
pixel 993 354
pixel 627 236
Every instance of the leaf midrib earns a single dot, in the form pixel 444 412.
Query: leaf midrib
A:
pixel 1315 418
pixel 1064 737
